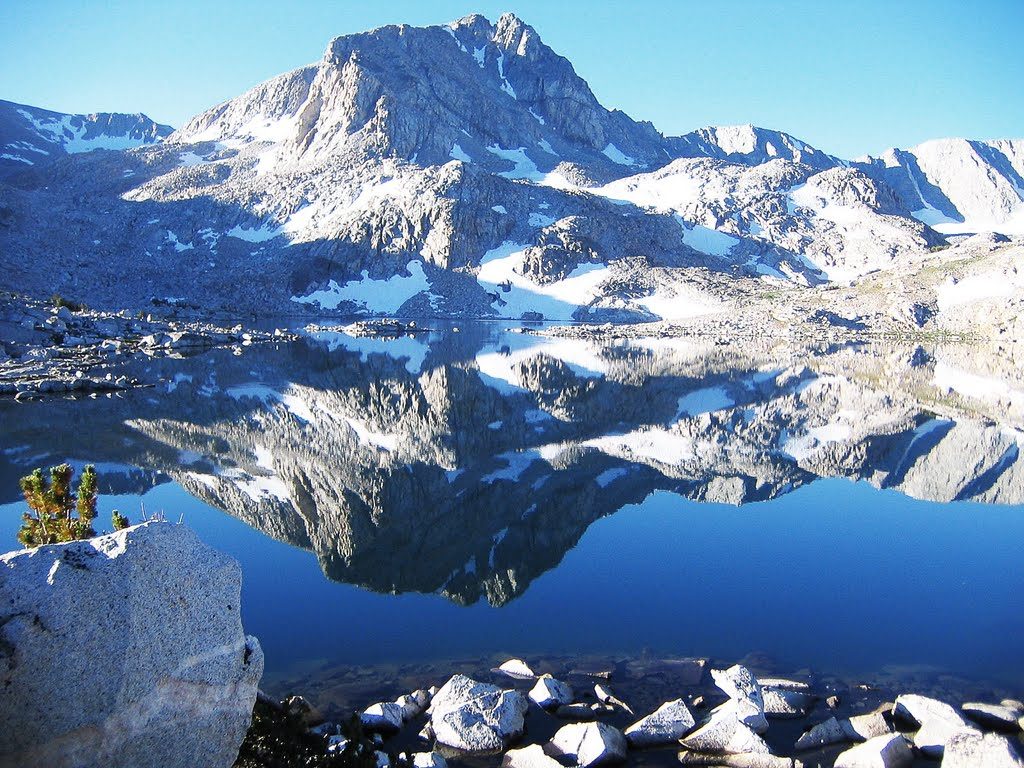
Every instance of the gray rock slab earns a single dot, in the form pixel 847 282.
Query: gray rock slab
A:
pixel 548 692
pixel 476 717
pixel 529 757
pixel 892 751
pixel 384 716
pixel 1001 716
pixel 938 721
pixel 835 731
pixel 742 687
pixel 428 760
pixel 974 750
pixel 724 732
pixel 784 703
pixel 668 723
pixel 589 744
pixel 124 650
pixel 755 760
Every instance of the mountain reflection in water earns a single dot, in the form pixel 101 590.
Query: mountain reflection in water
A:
pixel 468 464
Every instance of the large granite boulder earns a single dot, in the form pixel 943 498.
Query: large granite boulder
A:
pixel 124 650
pixel 476 717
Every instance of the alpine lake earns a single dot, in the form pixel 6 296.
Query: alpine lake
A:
pixel 404 508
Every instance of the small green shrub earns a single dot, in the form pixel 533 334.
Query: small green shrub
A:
pixel 52 506
pixel 55 513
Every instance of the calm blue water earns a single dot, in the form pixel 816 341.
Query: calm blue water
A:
pixel 442 535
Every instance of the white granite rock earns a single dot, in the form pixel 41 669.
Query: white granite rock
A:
pixel 784 703
pixel 589 744
pixel 410 707
pixel 938 721
pixel 891 751
pixel 974 750
pixel 517 669
pixel 1002 716
pixel 529 757
pixel 833 731
pixel 428 760
pixel 668 723
pixel 474 716
pixel 605 696
pixel 742 687
pixel 384 716
pixel 124 650
pixel 549 692
pixel 724 732
pixel 744 760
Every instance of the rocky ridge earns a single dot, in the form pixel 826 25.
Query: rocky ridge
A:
pixel 467 170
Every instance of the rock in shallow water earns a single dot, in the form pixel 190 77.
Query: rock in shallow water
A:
pixel 1001 716
pixel 124 650
pixel 938 721
pixel 742 687
pixel 735 761
pixel 724 732
pixel 589 744
pixel 549 692
pixel 383 717
pixel 529 757
pixel 833 731
pixel 476 717
pixel 973 750
pixel 669 722
pixel 891 751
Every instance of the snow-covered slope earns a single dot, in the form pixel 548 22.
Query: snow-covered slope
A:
pixel 838 220
pixel 465 170
pixel 957 186
pixel 30 136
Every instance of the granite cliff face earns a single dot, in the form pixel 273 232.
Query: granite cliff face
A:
pixel 464 170
pixel 471 463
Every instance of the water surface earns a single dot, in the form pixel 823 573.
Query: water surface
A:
pixel 848 509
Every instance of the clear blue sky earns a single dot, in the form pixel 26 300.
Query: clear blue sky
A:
pixel 849 77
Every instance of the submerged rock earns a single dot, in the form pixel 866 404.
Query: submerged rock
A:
pixel 668 723
pixel 124 650
pixel 742 688
pixel 589 744
pixel 890 751
pixel 474 716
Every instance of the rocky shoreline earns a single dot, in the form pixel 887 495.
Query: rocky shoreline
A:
pixel 52 348
pixel 587 712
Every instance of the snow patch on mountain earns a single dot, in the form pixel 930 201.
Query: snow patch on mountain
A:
pixel 384 296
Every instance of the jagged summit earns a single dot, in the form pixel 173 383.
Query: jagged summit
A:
pixel 492 93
